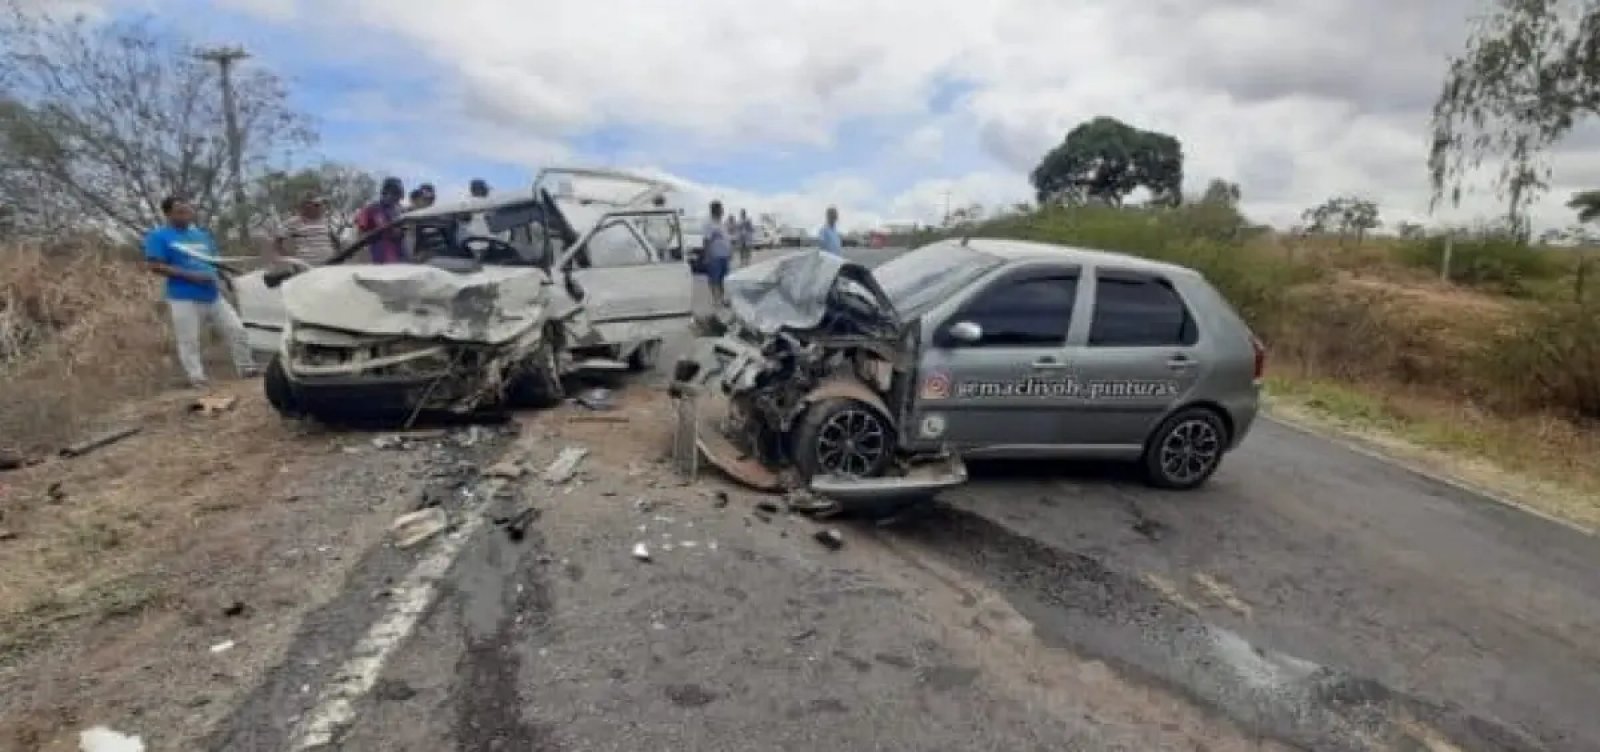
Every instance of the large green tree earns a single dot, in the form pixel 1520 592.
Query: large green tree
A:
pixel 1106 159
pixel 1530 72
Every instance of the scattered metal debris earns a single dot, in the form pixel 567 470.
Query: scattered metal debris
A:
pixel 598 398
pixel 517 527
pixel 510 470
pixel 805 502
pixel 803 635
pixel 770 507
pixel 222 647
pixel 565 465
pixel 722 499
pixel 416 527
pixel 391 441
pixel 102 739
pixel 641 552
pixel 830 538
pixel 236 609
pixel 99 440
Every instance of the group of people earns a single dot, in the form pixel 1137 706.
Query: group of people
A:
pixel 723 236
pixel 186 256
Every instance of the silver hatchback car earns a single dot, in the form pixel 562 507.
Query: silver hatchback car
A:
pixel 981 348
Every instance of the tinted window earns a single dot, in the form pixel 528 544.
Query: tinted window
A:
pixel 615 245
pixel 1136 311
pixel 1024 312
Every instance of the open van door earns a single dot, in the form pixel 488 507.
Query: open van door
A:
pixel 635 292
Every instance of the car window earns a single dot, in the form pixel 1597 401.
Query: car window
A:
pixel 615 245
pixel 1139 311
pixel 1034 311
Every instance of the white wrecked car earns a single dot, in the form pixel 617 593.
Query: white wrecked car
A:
pixel 583 273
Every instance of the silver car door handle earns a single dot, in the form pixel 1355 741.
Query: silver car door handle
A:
pixel 1048 364
pixel 1180 362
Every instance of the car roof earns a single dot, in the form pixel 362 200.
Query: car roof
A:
pixel 1024 250
pixel 472 206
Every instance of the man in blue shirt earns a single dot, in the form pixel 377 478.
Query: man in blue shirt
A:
pixel 718 253
pixel 186 255
pixel 828 238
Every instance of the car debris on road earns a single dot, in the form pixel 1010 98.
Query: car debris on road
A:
pixel 416 527
pixel 565 465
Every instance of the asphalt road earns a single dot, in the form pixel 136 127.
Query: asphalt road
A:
pixel 1309 597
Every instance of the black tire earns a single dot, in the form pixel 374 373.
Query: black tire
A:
pixel 280 391
pixel 813 446
pixel 645 356
pixel 1185 450
pixel 538 383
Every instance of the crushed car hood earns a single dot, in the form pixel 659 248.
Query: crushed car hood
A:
pixel 492 305
pixel 791 292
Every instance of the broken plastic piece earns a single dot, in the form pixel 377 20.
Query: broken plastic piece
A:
pixel 830 538
pixel 102 739
pixel 597 398
pixel 222 647
pixel 565 465
pixel 416 527
pixel 641 552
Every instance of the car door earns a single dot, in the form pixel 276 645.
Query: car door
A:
pixel 1002 393
pixel 1140 360
pixel 261 311
pixel 631 292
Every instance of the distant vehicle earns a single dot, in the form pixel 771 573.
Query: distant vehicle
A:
pixel 764 237
pixel 970 349
pixel 793 236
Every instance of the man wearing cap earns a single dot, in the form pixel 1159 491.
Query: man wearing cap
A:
pixel 306 239
pixel 387 248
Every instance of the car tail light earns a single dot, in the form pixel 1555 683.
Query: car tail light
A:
pixel 1261 358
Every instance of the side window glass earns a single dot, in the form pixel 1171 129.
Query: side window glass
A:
pixel 615 245
pixel 1024 313
pixel 1139 312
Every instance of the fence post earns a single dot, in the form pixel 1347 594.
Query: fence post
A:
pixel 1444 262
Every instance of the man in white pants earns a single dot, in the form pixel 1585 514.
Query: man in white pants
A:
pixel 186 255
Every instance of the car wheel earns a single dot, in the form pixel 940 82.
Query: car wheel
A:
pixel 538 384
pixel 280 391
pixel 645 356
pixel 1185 450
pixel 842 437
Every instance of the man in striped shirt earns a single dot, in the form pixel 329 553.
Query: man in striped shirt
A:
pixel 306 237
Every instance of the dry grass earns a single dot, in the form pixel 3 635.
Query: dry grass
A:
pixel 81 331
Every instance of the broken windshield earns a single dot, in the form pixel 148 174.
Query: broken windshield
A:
pixel 916 280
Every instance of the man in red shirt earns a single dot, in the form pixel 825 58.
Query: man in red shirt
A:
pixel 387 248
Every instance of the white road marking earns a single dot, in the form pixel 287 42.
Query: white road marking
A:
pixel 409 599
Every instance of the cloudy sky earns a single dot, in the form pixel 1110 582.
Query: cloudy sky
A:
pixel 882 107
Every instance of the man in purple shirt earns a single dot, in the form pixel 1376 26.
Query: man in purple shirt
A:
pixel 387 248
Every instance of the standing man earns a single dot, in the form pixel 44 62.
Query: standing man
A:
pixel 306 238
pixel 186 255
pixel 387 248
pixel 747 236
pixel 479 188
pixel 718 253
pixel 828 238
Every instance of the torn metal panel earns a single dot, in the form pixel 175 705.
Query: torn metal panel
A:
pixel 492 305
pixel 798 291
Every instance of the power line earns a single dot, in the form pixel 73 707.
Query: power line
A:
pixel 225 57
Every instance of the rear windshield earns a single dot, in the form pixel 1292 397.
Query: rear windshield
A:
pixel 918 279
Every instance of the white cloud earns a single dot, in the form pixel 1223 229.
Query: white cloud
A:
pixel 1295 101
pixel 271 10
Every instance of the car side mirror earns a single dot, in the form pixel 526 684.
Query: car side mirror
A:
pixel 966 332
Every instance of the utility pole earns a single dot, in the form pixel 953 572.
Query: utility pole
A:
pixel 947 208
pixel 225 57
